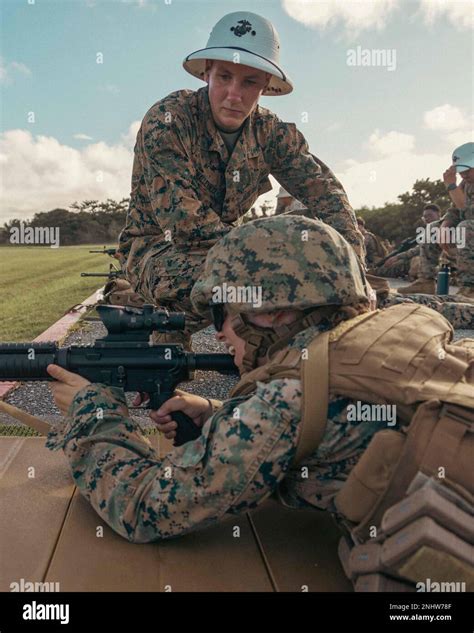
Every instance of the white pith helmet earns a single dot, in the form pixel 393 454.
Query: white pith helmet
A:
pixel 248 39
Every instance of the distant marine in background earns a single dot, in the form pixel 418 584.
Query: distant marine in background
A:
pixel 404 261
pixel 375 247
pixel 288 204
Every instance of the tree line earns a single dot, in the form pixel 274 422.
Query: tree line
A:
pixel 398 220
pixel 92 222
pixel 87 222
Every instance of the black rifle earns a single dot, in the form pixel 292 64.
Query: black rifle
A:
pixel 123 358
pixel 404 246
pixel 112 274
pixel 106 251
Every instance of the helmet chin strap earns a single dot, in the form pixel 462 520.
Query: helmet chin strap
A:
pixel 262 342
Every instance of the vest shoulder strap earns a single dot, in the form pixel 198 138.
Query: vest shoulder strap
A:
pixel 315 386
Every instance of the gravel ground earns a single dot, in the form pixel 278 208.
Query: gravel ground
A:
pixel 36 398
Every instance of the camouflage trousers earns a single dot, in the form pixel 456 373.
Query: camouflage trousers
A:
pixel 465 256
pixel 459 313
pixel 429 258
pixel 166 282
pixel 462 257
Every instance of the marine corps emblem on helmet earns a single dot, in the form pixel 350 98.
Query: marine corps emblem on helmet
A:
pixel 260 51
pixel 243 27
pixel 463 157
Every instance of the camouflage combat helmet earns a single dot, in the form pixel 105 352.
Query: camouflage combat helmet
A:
pixel 278 263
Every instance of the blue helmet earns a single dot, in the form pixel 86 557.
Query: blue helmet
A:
pixel 463 157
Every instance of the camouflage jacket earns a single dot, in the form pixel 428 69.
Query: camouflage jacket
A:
pixel 406 256
pixel 244 454
pixel 188 191
pixel 467 212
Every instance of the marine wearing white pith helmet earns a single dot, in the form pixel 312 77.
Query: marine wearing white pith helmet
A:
pixel 248 39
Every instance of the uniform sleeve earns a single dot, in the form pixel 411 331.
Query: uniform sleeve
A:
pixel 406 256
pixel 164 191
pixel 312 182
pixel 244 451
pixel 455 214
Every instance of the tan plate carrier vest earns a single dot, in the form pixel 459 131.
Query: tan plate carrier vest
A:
pixel 402 355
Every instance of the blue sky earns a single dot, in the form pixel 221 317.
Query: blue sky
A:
pixel 378 129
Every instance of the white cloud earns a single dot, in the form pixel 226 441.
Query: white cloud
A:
pixel 3 70
pixel 459 137
pixel 390 143
pixel 459 12
pixel 58 175
pixel 334 127
pixel 82 137
pixel 112 88
pixel 129 138
pixel 9 69
pixel 375 182
pixel 394 169
pixel 355 15
pixel 20 67
pixel 452 124
pixel 138 3
pixel 445 118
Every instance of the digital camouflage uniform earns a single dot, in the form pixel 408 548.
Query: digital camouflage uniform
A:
pixel 430 253
pixel 427 252
pixel 464 218
pixel 230 468
pixel 248 444
pixel 187 192
pixel 400 267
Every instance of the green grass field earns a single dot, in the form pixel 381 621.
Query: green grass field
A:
pixel 38 284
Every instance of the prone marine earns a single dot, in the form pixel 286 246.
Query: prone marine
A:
pixel 311 355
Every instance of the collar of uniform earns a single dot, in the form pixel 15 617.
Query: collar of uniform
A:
pixel 212 140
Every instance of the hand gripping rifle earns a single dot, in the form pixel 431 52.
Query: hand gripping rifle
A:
pixel 123 358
